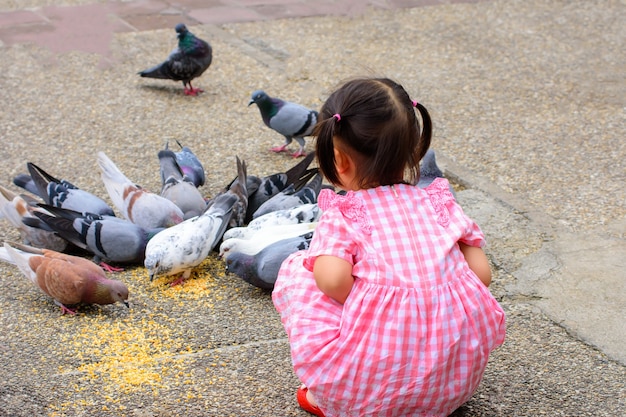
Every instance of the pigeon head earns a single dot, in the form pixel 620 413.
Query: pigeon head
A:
pixel 119 292
pixel 109 292
pixel 258 96
pixel 181 29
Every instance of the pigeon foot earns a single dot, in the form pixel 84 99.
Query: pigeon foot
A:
pixel 278 149
pixel 193 91
pixel 177 281
pixel 298 154
pixel 109 268
pixel 65 310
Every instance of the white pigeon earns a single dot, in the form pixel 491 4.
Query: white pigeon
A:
pixel 305 213
pixel 264 238
pixel 184 246
pixel 136 204
pixel 19 212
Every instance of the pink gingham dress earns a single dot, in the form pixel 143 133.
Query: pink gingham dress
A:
pixel 414 335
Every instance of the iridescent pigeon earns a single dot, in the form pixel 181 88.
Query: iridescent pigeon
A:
pixel 178 187
pixel 189 164
pixel 188 61
pixel 291 120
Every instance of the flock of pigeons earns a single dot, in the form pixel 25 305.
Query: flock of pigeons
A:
pixel 254 222
pixel 169 233
pixel 193 56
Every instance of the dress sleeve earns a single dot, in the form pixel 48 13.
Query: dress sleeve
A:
pixel 450 213
pixel 342 219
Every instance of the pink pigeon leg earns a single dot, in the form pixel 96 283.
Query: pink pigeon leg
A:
pixel 64 309
pixel 109 268
pixel 190 91
pixel 177 281
pixel 298 153
pixel 181 279
pixel 277 149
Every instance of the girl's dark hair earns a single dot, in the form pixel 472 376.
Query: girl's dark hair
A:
pixel 378 127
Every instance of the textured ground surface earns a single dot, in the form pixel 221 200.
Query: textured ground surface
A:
pixel 528 104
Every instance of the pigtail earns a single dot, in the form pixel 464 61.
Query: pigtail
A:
pixel 324 131
pixel 427 129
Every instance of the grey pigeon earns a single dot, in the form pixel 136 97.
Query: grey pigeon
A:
pixel 108 238
pixel 290 198
pixel 62 193
pixel 305 213
pixel 190 164
pixel 19 212
pixel 184 246
pixel 178 187
pixel 261 270
pixel 291 120
pixel 67 279
pixel 429 171
pixel 26 182
pixel 271 185
pixel 140 206
pixel 237 187
pixel 188 61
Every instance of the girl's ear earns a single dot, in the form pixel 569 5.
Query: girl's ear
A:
pixel 342 161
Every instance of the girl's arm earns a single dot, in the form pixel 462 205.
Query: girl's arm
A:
pixel 477 261
pixel 333 277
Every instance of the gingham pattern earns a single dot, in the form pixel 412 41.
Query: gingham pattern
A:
pixel 415 333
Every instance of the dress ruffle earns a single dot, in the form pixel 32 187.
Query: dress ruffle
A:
pixel 350 205
pixel 440 195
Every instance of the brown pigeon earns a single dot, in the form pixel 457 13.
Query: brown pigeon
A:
pixel 66 278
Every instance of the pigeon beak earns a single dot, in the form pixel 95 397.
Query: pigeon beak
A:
pixel 250 102
pixel 151 277
pixel 126 304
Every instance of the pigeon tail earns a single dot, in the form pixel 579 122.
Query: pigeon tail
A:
pixel 26 182
pixel 20 260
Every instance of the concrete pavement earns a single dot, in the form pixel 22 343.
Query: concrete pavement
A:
pixel 528 100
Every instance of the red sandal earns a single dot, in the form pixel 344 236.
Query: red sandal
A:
pixel 305 404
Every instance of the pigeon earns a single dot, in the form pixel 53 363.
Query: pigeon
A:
pixel 271 185
pixel 187 61
pixel 140 206
pixel 291 120
pixel 263 238
pixel 261 270
pixel 190 165
pixel 182 247
pixel 238 187
pixel 290 198
pixel 429 171
pixel 178 187
pixel 108 238
pixel 67 279
pixel 26 182
pixel 19 212
pixel 62 193
pixel 305 213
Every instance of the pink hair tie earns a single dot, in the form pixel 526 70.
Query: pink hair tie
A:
pixel 414 103
pixel 337 116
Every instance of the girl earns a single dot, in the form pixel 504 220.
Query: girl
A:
pixel 388 311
